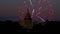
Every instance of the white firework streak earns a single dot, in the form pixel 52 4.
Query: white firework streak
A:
pixel 31 2
pixel 42 19
pixel 33 12
pixel 32 7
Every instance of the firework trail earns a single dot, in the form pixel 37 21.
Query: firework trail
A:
pixel 34 11
pixel 32 7
pixel 31 2
pixel 42 19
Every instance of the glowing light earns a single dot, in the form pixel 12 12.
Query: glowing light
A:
pixel 42 19
pixel 31 2
pixel 33 12
pixel 41 8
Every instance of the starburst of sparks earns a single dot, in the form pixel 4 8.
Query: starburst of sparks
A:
pixel 39 8
pixel 34 11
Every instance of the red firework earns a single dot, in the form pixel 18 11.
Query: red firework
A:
pixel 47 9
pixel 43 8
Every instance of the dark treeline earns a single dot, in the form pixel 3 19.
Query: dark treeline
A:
pixel 10 26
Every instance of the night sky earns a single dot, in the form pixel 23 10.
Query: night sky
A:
pixel 9 9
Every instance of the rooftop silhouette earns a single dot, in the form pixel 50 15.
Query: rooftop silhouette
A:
pixel 26 24
pixel 10 26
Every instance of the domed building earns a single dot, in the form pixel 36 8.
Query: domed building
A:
pixel 27 22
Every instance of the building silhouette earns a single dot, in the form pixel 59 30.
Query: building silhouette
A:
pixel 27 22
